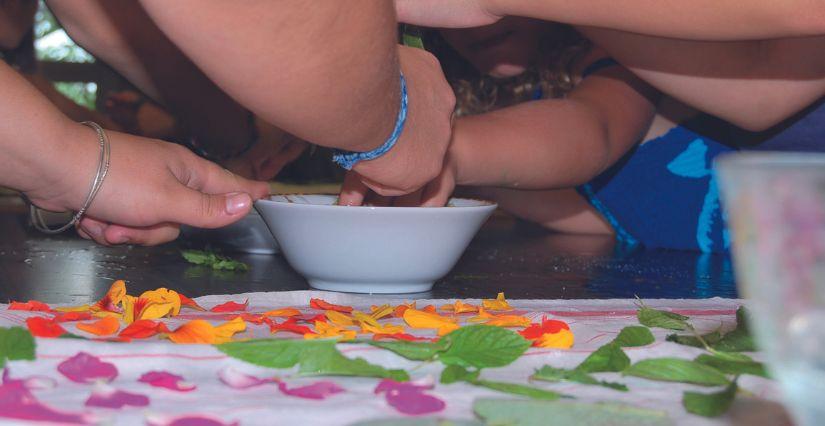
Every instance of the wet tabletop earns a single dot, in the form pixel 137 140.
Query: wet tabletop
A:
pixel 506 255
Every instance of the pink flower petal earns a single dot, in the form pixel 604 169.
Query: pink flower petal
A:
pixel 186 420
pixel 409 398
pixel 164 379
pixel 237 380
pixel 17 402
pixel 317 390
pixel 108 397
pixel 85 368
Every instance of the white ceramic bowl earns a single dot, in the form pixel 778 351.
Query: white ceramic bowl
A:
pixel 248 235
pixel 371 249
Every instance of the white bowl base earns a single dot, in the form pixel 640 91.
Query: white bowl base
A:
pixel 378 288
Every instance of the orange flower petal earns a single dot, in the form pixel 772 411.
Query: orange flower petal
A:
pixel 283 312
pixel 101 327
pixel 230 306
pixel 460 307
pixel 420 319
pixel 200 331
pixel 563 339
pixel 72 316
pixel 398 312
pixel 325 330
pixel 497 304
pixel 142 329
pixel 430 309
pixel 112 299
pixel 138 308
pixel 166 296
pixel 325 306
pixel 502 320
pixel 31 305
pixel 534 331
pixel 253 318
pixel 189 303
pixel 44 327
pixel 290 326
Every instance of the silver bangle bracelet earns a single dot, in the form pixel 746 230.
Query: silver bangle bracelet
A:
pixel 102 169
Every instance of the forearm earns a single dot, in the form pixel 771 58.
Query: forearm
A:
pixel 753 84
pixel 696 20
pixel 326 72
pixel 121 34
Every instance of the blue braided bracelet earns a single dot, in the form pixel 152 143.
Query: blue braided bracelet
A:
pixel 348 159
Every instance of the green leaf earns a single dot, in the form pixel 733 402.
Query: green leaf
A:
pixel 710 404
pixel 634 336
pixel 213 260
pixel 457 373
pixel 16 343
pixel 552 413
pixel 738 340
pixel 417 351
pixel 519 389
pixel 662 319
pixel 710 338
pixel 314 357
pixel 411 37
pixel 550 374
pixel 608 358
pixel 730 365
pixel 677 370
pixel 483 346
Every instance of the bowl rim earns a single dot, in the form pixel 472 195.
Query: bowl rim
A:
pixel 484 204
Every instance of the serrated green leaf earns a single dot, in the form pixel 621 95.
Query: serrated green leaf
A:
pixel 738 340
pixel 662 319
pixel 634 336
pixel 677 370
pixel 483 346
pixel 457 373
pixel 16 344
pixel 710 338
pixel 550 374
pixel 314 357
pixel 417 351
pixel 519 389
pixel 710 404
pixel 608 358
pixel 562 413
pixel 734 365
pixel 213 260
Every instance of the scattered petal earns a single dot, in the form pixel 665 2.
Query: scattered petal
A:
pixel 185 420
pixel 200 331
pixel 86 368
pixel 237 380
pixel 409 398
pixel 317 390
pixel 166 380
pixel 19 403
pixel 497 304
pixel 189 303
pixel 378 312
pixel 460 307
pixel 44 327
pixel 420 319
pixel 113 298
pixel 164 295
pixel 102 327
pixel 325 306
pixel 430 309
pixel 326 331
pixel 289 326
pixel 81 308
pixel 339 319
pixel 399 310
pixel 138 308
pixel 106 396
pixel 253 318
pixel 501 320
pixel 72 316
pixel 31 305
pixel 562 340
pixel 534 331
pixel 142 329
pixel 284 312
pixel 230 306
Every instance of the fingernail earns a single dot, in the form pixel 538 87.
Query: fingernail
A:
pixel 120 239
pixel 237 202
pixel 94 230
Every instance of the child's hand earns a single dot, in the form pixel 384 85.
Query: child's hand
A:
pixel 268 156
pixel 445 13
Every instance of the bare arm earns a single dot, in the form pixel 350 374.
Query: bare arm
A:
pixel 695 20
pixel 554 143
pixel 753 84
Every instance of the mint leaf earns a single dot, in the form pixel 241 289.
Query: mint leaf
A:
pixel 213 260
pixel 634 336
pixel 710 404
pixel 483 346
pixel 738 340
pixel 518 389
pixel 457 373
pixel 661 319
pixel 314 357
pixel 552 413
pixel 550 374
pixel 710 338
pixel 677 370
pixel 417 351
pixel 608 358
pixel 16 343
pixel 734 365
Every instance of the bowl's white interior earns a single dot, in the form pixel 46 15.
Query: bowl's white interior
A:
pixel 330 200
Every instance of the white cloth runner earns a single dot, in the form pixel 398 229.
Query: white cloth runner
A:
pixel 594 323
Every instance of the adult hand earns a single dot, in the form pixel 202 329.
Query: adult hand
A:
pixel 446 13
pixel 269 155
pixel 418 155
pixel 151 188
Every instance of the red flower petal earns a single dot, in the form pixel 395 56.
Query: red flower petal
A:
pixel 230 306
pixel 31 305
pixel 289 326
pixel 44 327
pixel 72 316
pixel 185 301
pixel 142 329
pixel 326 306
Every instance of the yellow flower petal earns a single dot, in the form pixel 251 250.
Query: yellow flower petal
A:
pixel 420 319
pixel 562 340
pixel 81 308
pixel 325 330
pixel 497 304
pixel 459 307
pixel 284 312
pixel 112 299
pixel 339 319
pixel 378 312
pixel 501 320
pixel 163 295
pixel 200 331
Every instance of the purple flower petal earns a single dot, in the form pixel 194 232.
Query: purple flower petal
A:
pixel 237 380
pixel 85 368
pixel 108 397
pixel 17 402
pixel 164 379
pixel 317 390
pixel 186 420
pixel 409 398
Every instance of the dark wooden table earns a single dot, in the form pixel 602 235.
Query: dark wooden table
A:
pixel 522 261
